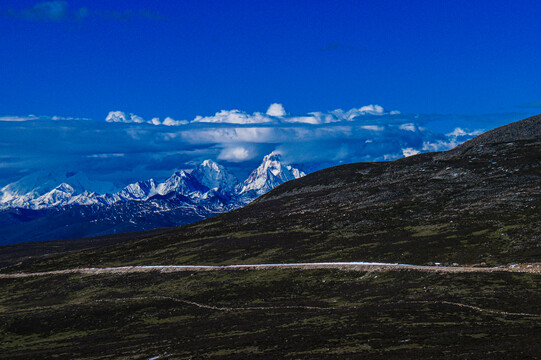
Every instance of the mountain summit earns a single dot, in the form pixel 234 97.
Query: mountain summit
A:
pixel 215 176
pixel 271 173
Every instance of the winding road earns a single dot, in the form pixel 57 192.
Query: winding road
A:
pixel 353 266
pixel 369 267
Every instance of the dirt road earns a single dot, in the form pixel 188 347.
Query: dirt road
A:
pixel 352 266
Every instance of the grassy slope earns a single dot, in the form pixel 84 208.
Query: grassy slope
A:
pixel 30 251
pixel 368 315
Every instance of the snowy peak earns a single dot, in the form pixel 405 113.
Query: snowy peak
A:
pixel 272 163
pixel 37 183
pixel 209 184
pixel 46 189
pixel 139 190
pixel 268 175
pixel 215 176
pixel 43 182
pixel 59 195
pixel 181 182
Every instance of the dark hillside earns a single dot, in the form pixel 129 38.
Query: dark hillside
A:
pixel 30 251
pixel 526 129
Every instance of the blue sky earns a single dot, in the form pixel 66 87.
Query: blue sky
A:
pixel 442 64
pixel 188 58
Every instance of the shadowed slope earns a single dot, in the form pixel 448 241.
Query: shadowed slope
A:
pixel 526 129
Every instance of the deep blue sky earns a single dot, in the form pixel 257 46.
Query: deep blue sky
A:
pixel 188 58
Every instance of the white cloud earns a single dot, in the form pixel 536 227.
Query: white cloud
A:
pixel 34 117
pixel 276 110
pixel 440 145
pixel 372 110
pixel 116 116
pixel 363 110
pixel 372 127
pixel 407 127
pixel 136 119
pixel 314 119
pixel 339 115
pixel 68 118
pixel 459 132
pixel 409 152
pixel 354 113
pixel 236 154
pixel 234 117
pixel 19 118
pixel 232 135
pixel 120 117
pixel 155 121
pixel 172 122
pixel 275 114
pixel 105 156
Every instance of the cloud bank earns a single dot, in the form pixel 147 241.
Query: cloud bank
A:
pixel 126 147
pixel 276 114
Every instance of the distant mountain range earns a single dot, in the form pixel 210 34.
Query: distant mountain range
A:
pixel 46 206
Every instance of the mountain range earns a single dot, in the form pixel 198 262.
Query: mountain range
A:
pixel 46 206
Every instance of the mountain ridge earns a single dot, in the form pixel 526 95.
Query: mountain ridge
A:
pixel 49 212
pixel 69 190
pixel 525 129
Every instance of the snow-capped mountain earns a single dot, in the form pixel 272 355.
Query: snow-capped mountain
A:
pixel 43 190
pixel 140 190
pixel 209 179
pixel 215 176
pixel 268 175
pixel 70 205
pixel 183 183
